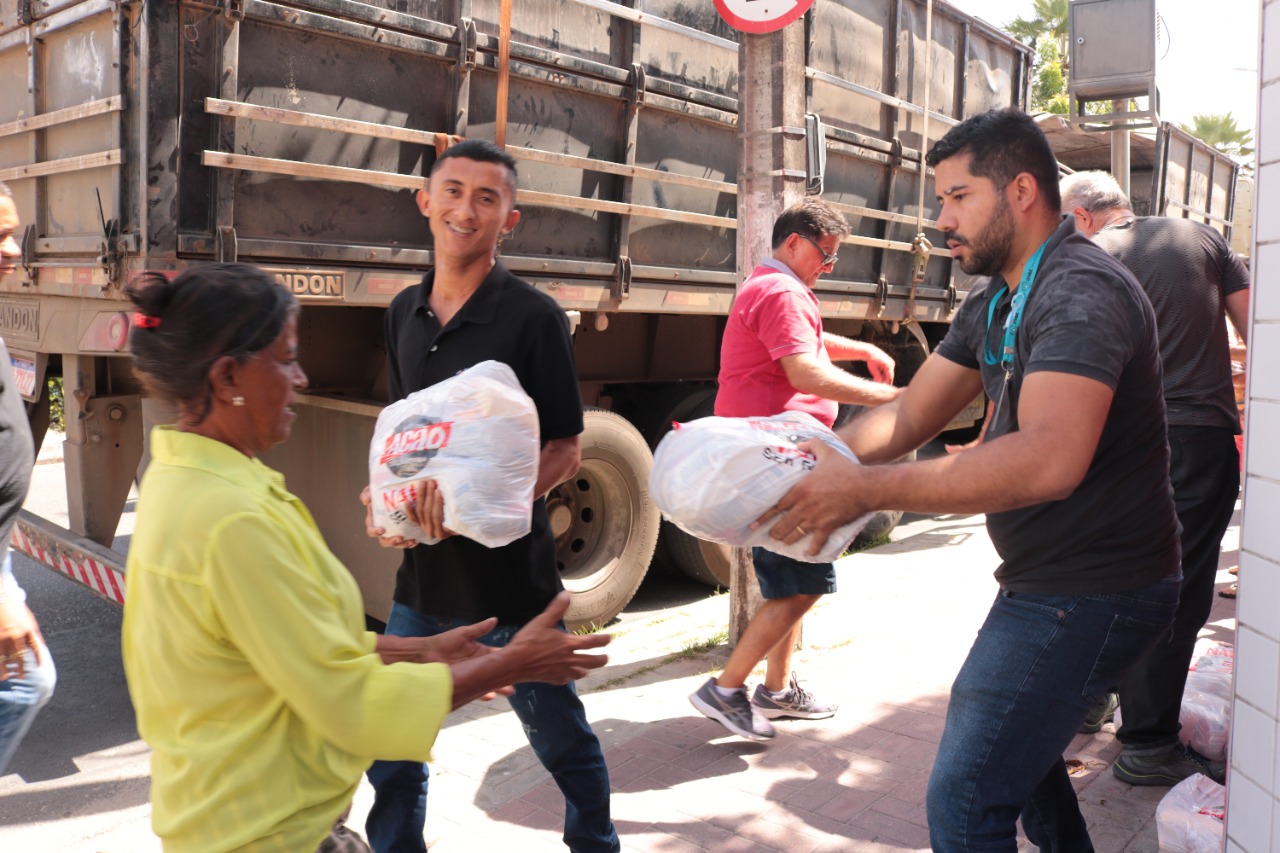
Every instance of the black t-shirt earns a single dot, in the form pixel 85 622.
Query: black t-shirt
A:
pixel 509 321
pixel 17 450
pixel 1088 317
pixel 1187 269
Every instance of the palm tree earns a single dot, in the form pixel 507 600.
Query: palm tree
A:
pixel 1047 31
pixel 1049 20
pixel 1221 132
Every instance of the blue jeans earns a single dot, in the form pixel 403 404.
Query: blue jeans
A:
pixel 555 723
pixel 21 699
pixel 1038 665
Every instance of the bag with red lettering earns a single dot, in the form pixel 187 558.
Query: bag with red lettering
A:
pixel 714 476
pixel 1206 700
pixel 476 435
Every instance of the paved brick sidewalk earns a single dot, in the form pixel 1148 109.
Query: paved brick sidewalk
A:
pixel 885 648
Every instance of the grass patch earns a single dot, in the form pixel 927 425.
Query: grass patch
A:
pixel 694 648
pixel 691 650
pixel 623 679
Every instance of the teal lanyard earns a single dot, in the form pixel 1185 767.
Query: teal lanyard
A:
pixel 1014 320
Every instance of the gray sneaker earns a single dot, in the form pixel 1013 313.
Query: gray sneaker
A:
pixel 1165 769
pixel 1104 712
pixel 796 702
pixel 734 713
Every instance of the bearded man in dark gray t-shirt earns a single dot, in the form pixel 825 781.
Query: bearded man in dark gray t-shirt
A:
pixel 1073 476
pixel 1193 279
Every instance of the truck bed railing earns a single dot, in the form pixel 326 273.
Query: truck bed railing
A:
pixel 294 168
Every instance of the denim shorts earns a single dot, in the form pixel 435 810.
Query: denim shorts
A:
pixel 783 577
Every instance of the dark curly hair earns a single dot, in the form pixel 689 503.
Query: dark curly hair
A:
pixel 1003 144
pixel 482 151
pixel 187 323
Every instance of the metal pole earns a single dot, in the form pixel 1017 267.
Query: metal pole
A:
pixel 771 99
pixel 504 73
pixel 1120 159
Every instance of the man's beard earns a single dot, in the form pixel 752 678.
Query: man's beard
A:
pixel 989 251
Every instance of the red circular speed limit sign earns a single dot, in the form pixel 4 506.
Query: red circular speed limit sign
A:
pixel 761 16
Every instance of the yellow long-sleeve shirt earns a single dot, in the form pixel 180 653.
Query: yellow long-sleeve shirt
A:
pixel 254 681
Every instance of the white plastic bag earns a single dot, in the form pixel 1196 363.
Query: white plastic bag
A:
pixel 714 476
pixel 476 435
pixel 1206 701
pixel 1190 818
pixel 1205 715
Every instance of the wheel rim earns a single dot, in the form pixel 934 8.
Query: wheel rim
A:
pixel 588 513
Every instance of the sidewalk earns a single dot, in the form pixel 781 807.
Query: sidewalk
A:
pixel 885 648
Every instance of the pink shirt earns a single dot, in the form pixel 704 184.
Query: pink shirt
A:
pixel 774 315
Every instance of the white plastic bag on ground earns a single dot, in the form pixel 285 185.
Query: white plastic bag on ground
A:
pixel 1206 701
pixel 476 435
pixel 1205 715
pixel 1190 818
pixel 714 476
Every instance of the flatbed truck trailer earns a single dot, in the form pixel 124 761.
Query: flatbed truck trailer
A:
pixel 150 136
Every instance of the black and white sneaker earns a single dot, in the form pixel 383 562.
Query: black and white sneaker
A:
pixel 734 713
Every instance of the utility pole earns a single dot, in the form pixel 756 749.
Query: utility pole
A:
pixel 771 177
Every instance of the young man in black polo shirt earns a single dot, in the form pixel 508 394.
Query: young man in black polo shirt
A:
pixel 467 310
pixel 1073 476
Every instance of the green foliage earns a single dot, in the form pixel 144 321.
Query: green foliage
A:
pixel 695 648
pixel 1222 132
pixel 692 650
pixel 1049 20
pixel 57 418
pixel 1049 93
pixel 1046 29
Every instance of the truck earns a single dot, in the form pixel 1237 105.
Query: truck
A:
pixel 291 134
pixel 1171 173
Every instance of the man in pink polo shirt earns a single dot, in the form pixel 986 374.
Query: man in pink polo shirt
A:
pixel 774 358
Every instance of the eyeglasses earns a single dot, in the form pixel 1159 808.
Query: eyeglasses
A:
pixel 827 260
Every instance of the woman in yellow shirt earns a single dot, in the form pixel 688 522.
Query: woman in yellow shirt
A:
pixel 257 687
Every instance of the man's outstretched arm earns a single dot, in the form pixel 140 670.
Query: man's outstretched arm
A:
pixel 1061 417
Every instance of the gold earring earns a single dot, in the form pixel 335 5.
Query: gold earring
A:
pixel 237 400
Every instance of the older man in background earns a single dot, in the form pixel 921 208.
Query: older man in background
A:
pixel 1194 281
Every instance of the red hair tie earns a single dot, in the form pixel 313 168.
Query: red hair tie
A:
pixel 145 321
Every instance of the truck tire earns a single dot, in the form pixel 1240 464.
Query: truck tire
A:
pixel 653 415
pixel 880 525
pixel 674 403
pixel 606 526
pixel 697 559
